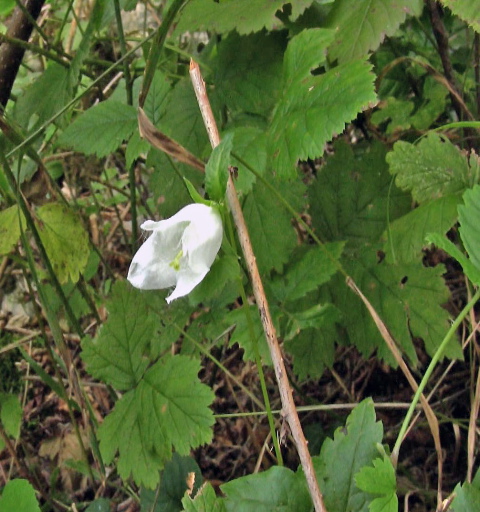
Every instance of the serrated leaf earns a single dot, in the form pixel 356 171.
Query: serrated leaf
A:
pixel 46 96
pixel 121 431
pixel 65 241
pixel 467 496
pixel 362 29
pixel 352 197
pixel 408 298
pixel 156 101
pixel 271 232
pixel 379 479
pixel 468 215
pixel 306 51
pixel 466 10
pixel 117 354
pixel 313 347
pixel 431 169
pixel 241 334
pixel 101 129
pixel 278 489
pixel 250 144
pixel 250 81
pixel 245 16
pixel 173 485
pixel 406 235
pixel 205 501
pixel 216 170
pixel 352 447
pixel 314 109
pixel 10 414
pixel 308 272
pixel 10 221
pixel 18 496
pixel 176 406
pixel 168 410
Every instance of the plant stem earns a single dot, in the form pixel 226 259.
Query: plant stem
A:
pixel 288 405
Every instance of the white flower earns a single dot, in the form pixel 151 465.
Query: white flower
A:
pixel 179 252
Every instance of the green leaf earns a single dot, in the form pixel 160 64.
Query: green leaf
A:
pixel 362 29
pixel 408 298
pixel 52 90
pixel 379 480
pixel 205 501
pixel 249 80
pixel 117 354
pixel 216 170
pixel 101 129
pixel 18 496
pixel 306 51
pixel 10 414
pixel 271 232
pixel 245 16
pixel 241 334
pixel 278 489
pixel 352 447
pixel 250 144
pixel 472 272
pixel 467 496
pixel 313 347
pixel 468 215
pixel 173 485
pixel 315 108
pixel 466 10
pixel 406 235
pixel 431 169
pixel 65 240
pixel 10 221
pixel 169 409
pixel 398 112
pixel 99 505
pixel 307 272
pixel 122 431
pixel 352 197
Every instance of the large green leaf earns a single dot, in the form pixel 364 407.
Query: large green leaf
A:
pixel 11 219
pixel 101 129
pixel 379 479
pixel 431 169
pixel 65 240
pixel 19 496
pixel 245 16
pixel 117 354
pixel 314 108
pixel 271 232
pixel 363 28
pixel 469 215
pixel 406 235
pixel 307 272
pixel 352 447
pixel 468 10
pixel 168 409
pixel 352 198
pixel 408 298
pixel 278 489
pixel 250 81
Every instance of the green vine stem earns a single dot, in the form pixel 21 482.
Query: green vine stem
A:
pixel 428 373
pixel 288 405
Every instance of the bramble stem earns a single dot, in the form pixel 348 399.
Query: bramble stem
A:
pixel 288 405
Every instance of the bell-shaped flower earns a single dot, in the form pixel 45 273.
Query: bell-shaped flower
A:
pixel 179 252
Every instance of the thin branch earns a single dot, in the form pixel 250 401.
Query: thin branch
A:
pixel 288 405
